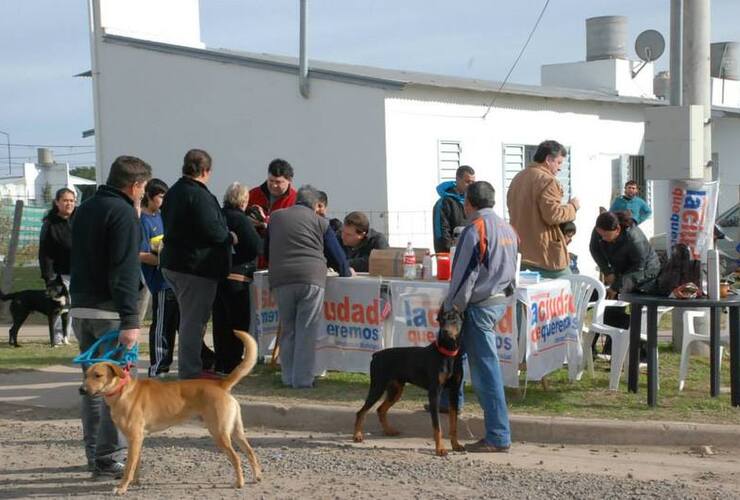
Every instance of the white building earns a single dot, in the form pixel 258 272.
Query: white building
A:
pixel 376 140
pixel 37 183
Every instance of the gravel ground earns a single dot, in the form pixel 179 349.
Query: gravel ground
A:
pixel 41 455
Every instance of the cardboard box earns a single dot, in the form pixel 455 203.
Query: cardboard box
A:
pixel 389 262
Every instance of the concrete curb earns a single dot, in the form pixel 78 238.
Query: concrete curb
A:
pixel 555 430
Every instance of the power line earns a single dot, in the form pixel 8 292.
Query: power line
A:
pixel 516 61
pixel 87 146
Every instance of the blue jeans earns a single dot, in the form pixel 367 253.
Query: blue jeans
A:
pixel 479 342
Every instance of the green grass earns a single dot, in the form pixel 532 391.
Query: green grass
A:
pixel 36 353
pixel 589 398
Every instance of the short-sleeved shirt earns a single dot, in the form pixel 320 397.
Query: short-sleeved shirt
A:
pixel 151 226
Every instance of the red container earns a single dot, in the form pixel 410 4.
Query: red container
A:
pixel 443 266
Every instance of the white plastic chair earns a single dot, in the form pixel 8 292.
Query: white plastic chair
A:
pixel 690 335
pixel 582 288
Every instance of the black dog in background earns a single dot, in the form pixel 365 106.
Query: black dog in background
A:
pixel 51 302
pixel 435 367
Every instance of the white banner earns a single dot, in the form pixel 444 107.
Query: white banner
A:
pixel 352 329
pixel 693 209
pixel 550 327
pixel 266 317
pixel 415 308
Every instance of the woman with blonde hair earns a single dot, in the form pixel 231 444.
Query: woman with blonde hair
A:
pixel 231 306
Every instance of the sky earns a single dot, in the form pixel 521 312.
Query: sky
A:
pixel 43 43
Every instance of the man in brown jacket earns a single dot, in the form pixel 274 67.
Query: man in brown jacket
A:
pixel 536 210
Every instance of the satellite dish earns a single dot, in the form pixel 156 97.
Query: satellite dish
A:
pixel 649 45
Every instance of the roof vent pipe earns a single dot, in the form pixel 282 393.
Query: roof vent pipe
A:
pixel 606 38
pixel 725 57
pixel 303 85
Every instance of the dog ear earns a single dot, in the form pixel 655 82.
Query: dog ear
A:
pixel 115 370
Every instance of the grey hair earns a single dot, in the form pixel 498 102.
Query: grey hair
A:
pixel 235 195
pixel 307 196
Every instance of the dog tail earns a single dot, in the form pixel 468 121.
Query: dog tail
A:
pixel 243 369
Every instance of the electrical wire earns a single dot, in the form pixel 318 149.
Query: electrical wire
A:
pixel 86 146
pixel 516 61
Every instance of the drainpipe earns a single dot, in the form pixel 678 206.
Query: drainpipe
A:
pixel 303 85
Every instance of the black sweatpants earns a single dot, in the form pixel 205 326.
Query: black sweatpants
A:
pixel 230 312
pixel 165 322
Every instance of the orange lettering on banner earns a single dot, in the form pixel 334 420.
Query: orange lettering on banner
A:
pixel 504 324
pixel 690 217
pixel 266 299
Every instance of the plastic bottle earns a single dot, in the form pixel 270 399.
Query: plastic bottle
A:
pixel 427 267
pixel 409 263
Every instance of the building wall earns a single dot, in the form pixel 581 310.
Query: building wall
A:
pixel 417 119
pixel 725 136
pixel 158 105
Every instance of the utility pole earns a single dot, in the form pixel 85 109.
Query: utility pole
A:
pixel 676 44
pixel 7 136
pixel 696 76
pixel 303 84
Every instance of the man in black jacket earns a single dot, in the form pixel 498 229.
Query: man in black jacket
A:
pixel 105 290
pixel 196 255
pixel 358 240
pixel 448 212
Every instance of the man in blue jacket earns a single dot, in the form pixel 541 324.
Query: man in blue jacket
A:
pixel 483 275
pixel 641 211
pixel 448 212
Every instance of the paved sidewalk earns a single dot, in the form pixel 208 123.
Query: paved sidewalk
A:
pixel 55 387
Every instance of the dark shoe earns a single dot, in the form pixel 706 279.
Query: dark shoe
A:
pixel 482 446
pixel 209 375
pixel 110 469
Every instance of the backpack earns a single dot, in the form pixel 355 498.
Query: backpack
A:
pixel 679 270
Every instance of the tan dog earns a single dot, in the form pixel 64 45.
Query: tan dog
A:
pixel 149 405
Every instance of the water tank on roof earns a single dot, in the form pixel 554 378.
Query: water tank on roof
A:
pixel 725 60
pixel 662 85
pixel 606 38
pixel 46 156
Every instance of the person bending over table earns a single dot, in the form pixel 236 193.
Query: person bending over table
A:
pixel 624 257
pixel 358 240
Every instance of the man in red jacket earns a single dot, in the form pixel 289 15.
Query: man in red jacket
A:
pixel 275 193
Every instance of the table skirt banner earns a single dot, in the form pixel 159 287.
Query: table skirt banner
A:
pixel 352 326
pixel 693 209
pixel 550 327
pixel 266 317
pixel 415 307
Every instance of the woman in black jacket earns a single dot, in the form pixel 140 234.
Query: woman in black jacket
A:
pixel 622 253
pixel 55 247
pixel 231 307
pixel 196 255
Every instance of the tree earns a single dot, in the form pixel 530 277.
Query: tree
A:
pixel 84 172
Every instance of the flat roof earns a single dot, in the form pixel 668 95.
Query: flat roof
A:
pixel 377 77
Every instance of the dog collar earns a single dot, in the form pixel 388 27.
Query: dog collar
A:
pixel 446 352
pixel 121 384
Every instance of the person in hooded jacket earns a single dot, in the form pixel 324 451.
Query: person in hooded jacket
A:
pixel 448 212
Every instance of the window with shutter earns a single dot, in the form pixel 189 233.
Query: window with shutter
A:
pixel 518 156
pixel 448 159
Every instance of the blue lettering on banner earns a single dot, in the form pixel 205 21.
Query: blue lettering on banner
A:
pixel 355 333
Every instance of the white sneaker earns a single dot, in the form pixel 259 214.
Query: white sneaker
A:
pixel 65 340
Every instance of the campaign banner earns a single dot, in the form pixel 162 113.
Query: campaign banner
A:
pixel 507 345
pixel 551 327
pixel 415 308
pixel 693 210
pixel 266 319
pixel 352 327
